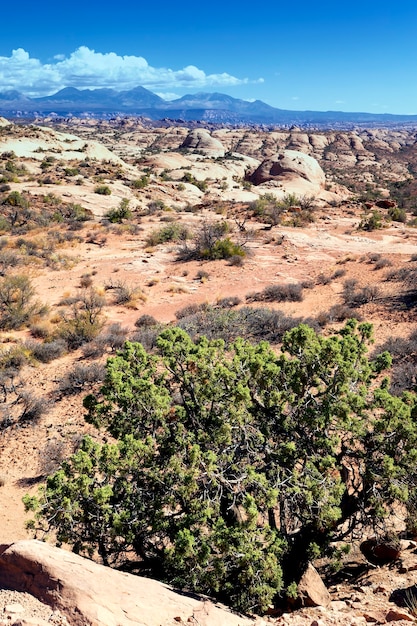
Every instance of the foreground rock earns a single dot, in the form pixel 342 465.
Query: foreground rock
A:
pixel 88 593
pixel 311 589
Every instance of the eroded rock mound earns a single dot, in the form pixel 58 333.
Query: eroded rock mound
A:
pixel 288 165
pixel 201 140
pixel 88 593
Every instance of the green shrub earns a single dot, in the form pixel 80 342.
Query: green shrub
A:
pixel 222 249
pixel 102 190
pixel 116 216
pixel 374 221
pixel 140 183
pixel 397 214
pixel 210 244
pixel 171 232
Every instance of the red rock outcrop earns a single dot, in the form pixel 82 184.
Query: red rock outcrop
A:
pixel 94 595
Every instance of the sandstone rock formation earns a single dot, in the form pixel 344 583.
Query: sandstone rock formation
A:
pixel 288 165
pixel 200 139
pixel 88 593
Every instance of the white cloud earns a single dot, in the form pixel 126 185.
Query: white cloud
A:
pixel 85 68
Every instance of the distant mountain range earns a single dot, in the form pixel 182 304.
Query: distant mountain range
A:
pixel 206 107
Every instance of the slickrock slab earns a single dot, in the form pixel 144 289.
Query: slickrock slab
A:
pixel 90 594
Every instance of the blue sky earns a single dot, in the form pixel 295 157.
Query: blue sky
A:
pixel 347 56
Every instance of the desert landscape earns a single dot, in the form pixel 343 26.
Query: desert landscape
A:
pixel 112 230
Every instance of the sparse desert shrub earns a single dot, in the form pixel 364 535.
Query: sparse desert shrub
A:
pixel 324 279
pixel 8 259
pixel 74 213
pixel 339 273
pixel 32 407
pixel 210 244
pixel 236 260
pixel 13 359
pixel 224 249
pixel 145 320
pixel 268 207
pixel 190 178
pixel 172 232
pixel 17 305
pixel 40 330
pixel 397 214
pixel 202 275
pixel 354 296
pixel 153 207
pixel 95 348
pixel 307 283
pixel 83 321
pixel 140 183
pixel 403 378
pixel 86 281
pixel 47 351
pixel 81 378
pixel 283 292
pixel 102 190
pixel 382 263
pixel 16 199
pixel 124 293
pixel 222 322
pixel 52 454
pixel 114 336
pixel 373 221
pixel 337 313
pixel 406 275
pixel 122 212
pixel 404 369
pixel 190 309
pixel 228 302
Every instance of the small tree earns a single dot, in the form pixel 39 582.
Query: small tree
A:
pixel 16 302
pixel 234 465
pixel 84 320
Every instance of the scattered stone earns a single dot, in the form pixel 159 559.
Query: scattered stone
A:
pixel 338 605
pixel 394 615
pixel 311 589
pixel 381 551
